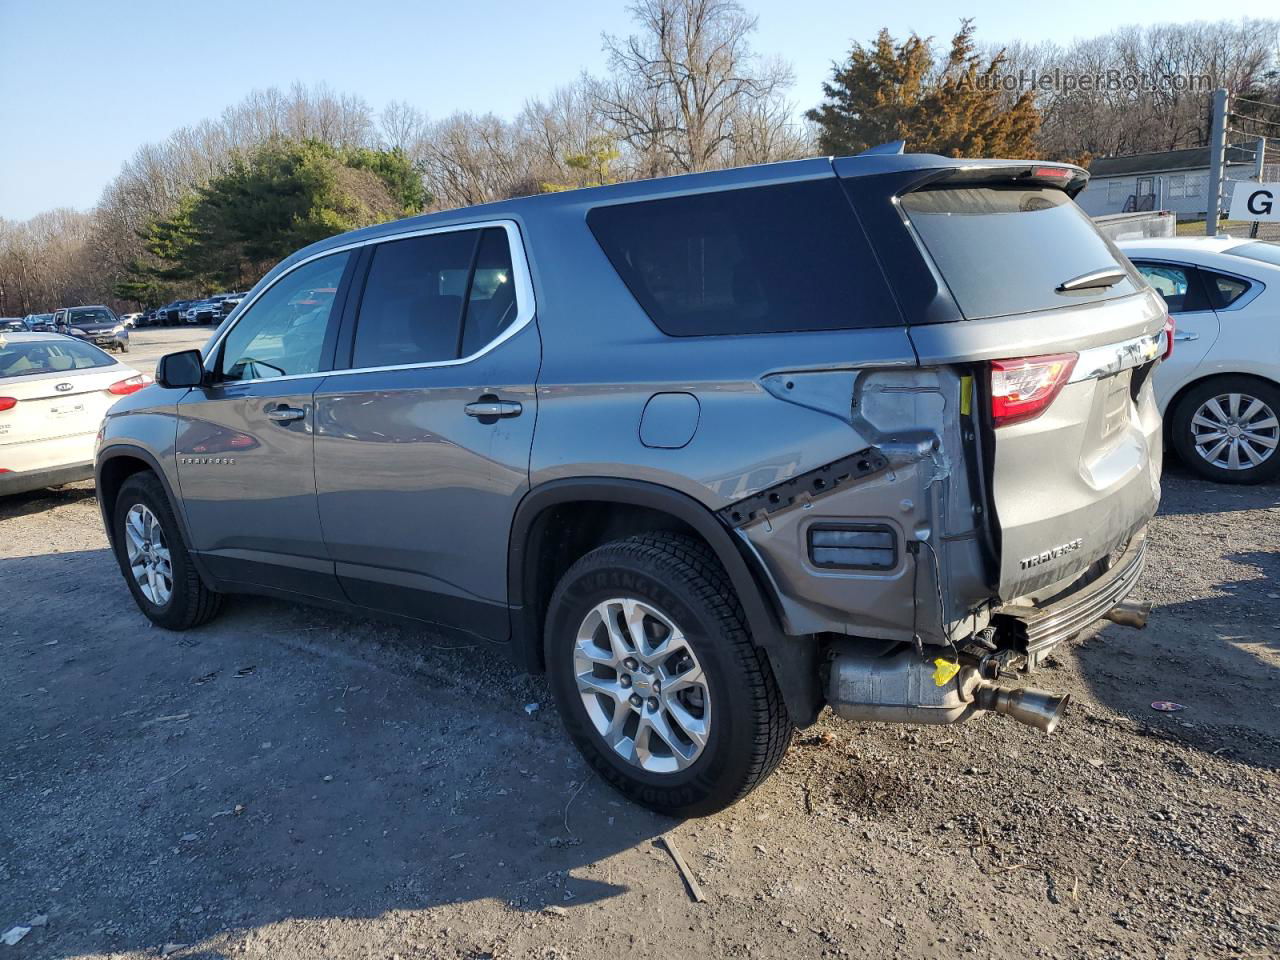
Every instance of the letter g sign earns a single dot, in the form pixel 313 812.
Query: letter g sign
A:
pixel 1256 201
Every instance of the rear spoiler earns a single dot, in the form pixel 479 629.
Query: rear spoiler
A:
pixel 931 170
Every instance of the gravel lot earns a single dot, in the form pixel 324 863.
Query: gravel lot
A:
pixel 286 783
pixel 148 344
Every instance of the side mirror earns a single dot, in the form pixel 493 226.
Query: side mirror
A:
pixel 182 369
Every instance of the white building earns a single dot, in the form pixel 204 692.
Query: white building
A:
pixel 1176 180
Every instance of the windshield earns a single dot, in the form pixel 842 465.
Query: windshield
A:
pixel 1007 249
pixel 91 315
pixel 48 357
pixel 1259 250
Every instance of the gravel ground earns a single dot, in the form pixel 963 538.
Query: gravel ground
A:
pixel 286 783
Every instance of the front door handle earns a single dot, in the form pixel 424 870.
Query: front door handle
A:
pixel 493 408
pixel 283 414
pixel 1177 337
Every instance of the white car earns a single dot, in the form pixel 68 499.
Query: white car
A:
pixel 1220 389
pixel 130 320
pixel 54 392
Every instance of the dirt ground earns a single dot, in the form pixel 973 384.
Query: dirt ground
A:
pixel 287 783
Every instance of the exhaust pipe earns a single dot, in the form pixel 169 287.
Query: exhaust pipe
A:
pixel 903 688
pixel 1129 614
pixel 1035 708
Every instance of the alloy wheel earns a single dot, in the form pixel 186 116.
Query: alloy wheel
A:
pixel 642 686
pixel 149 559
pixel 1235 431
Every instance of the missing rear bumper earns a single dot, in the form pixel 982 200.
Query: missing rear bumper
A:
pixel 1035 630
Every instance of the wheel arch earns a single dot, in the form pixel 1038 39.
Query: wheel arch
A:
pixel 537 557
pixel 117 464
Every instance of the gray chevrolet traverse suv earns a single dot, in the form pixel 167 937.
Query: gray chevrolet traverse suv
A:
pixel 713 451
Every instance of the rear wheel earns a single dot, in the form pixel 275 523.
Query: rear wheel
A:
pixel 1227 429
pixel 154 559
pixel 657 679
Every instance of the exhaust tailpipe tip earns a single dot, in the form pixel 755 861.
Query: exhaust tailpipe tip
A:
pixel 1129 614
pixel 1035 708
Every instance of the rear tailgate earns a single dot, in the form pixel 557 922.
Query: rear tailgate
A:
pixel 66 404
pixel 1061 336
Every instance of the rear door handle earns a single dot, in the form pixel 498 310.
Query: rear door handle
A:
pixel 493 408
pixel 283 414
pixel 1185 336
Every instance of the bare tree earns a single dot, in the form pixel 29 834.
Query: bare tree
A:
pixel 679 91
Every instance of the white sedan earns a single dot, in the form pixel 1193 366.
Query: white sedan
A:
pixel 1220 390
pixel 54 392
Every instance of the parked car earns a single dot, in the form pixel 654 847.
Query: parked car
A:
pixel 12 323
pixel 130 320
pixel 228 302
pixel 202 311
pixel 97 325
pixel 53 393
pixel 1220 391
pixel 738 462
pixel 171 313
pixel 39 322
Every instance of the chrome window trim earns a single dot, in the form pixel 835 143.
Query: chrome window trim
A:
pixel 526 308
pixel 1114 357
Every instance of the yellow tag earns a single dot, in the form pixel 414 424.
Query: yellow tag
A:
pixel 966 405
pixel 943 671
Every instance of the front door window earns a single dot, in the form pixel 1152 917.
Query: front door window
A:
pixel 283 333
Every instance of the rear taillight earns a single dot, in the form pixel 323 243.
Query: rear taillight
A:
pixel 1023 388
pixel 1052 173
pixel 1169 331
pixel 7 403
pixel 123 387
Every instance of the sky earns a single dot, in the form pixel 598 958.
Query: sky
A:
pixel 84 83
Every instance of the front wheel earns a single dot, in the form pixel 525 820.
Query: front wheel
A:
pixel 1227 429
pixel 154 558
pixel 656 677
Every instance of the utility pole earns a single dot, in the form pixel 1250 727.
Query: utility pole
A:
pixel 1259 171
pixel 1217 160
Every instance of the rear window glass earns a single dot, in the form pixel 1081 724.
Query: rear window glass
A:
pixel 1259 250
pixel 771 259
pixel 1004 250
pixel 34 358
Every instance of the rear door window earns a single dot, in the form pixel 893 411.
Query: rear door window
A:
pixel 1179 285
pixel 773 259
pixel 434 298
pixel 1005 249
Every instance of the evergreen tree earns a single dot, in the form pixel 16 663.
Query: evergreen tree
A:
pixel 268 203
pixel 899 91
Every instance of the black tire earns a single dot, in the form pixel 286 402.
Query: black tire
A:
pixel 1182 429
pixel 124 348
pixel 190 603
pixel 749 729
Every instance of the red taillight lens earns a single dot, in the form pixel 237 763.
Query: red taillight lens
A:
pixel 1055 173
pixel 123 387
pixel 1023 388
pixel 1169 331
pixel 7 403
